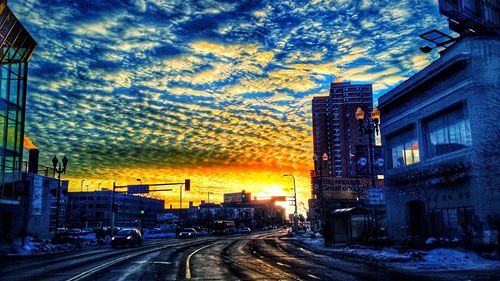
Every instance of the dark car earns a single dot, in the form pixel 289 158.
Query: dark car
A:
pixel 127 237
pixel 187 233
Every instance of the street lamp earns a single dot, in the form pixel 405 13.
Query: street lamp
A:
pixel 295 214
pixel 81 187
pixel 371 127
pixel 59 170
pixel 139 180
pixel 208 193
pixel 99 186
pixel 321 165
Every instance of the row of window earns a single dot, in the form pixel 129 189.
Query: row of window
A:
pixel 444 133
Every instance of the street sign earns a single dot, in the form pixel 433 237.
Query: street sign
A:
pixel 139 188
pixel 376 196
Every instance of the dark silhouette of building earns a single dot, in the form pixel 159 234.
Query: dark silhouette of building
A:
pixel 17 47
pixel 93 209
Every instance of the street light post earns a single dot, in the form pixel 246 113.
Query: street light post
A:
pixel 59 170
pixel 208 199
pixel 81 187
pixel 369 129
pixel 295 214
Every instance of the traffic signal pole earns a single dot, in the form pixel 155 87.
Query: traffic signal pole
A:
pixel 114 207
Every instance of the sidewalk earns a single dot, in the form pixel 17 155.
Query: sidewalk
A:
pixel 439 259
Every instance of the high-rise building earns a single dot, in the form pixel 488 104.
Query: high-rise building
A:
pixel 335 128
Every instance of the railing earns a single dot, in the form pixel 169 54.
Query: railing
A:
pixel 42 170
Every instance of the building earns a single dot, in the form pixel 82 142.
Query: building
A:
pixel 93 209
pixel 335 128
pixel 342 180
pixel 441 136
pixel 17 47
pixel 237 197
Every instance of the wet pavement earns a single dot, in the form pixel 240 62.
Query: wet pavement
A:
pixel 258 256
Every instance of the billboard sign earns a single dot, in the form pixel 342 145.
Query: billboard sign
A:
pixel 362 164
pixel 139 188
pixel 345 188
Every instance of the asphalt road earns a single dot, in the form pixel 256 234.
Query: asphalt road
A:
pixel 259 256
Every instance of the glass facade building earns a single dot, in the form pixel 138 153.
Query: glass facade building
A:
pixel 16 48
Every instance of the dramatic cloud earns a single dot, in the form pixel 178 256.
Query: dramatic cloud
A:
pixel 216 91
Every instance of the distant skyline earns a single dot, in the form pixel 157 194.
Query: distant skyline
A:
pixel 216 91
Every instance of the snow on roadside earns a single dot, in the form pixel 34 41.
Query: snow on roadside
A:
pixel 450 259
pixel 434 260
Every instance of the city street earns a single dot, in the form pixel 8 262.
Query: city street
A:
pixel 260 256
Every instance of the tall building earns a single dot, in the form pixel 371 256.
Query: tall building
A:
pixel 335 128
pixel 16 46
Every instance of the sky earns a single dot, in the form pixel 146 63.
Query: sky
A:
pixel 215 91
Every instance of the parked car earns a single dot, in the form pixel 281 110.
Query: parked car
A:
pixel 124 237
pixel 86 231
pixel 187 233
pixel 244 230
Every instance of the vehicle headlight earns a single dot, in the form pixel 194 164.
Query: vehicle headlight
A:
pixel 113 238
pixel 129 237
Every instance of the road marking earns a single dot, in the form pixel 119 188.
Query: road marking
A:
pixel 159 262
pixel 188 259
pixel 282 264
pixel 100 267
pixel 313 276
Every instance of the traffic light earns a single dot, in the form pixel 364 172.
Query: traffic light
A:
pixel 187 184
pixel 142 212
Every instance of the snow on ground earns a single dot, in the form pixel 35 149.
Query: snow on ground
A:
pixel 450 259
pixel 434 260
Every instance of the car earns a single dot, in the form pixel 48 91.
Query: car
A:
pixel 86 231
pixel 244 230
pixel 187 233
pixel 127 237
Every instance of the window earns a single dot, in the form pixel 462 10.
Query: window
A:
pixel 403 148
pixel 447 132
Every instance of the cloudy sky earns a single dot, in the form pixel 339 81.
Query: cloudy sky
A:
pixel 216 91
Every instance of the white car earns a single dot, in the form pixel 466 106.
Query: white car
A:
pixel 187 233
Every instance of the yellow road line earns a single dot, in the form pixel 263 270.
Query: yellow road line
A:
pixel 188 259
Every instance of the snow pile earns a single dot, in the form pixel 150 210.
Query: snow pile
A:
pixel 439 259
pixel 385 255
pixel 450 259
pixel 36 246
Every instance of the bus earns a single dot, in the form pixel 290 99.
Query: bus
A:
pixel 222 227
